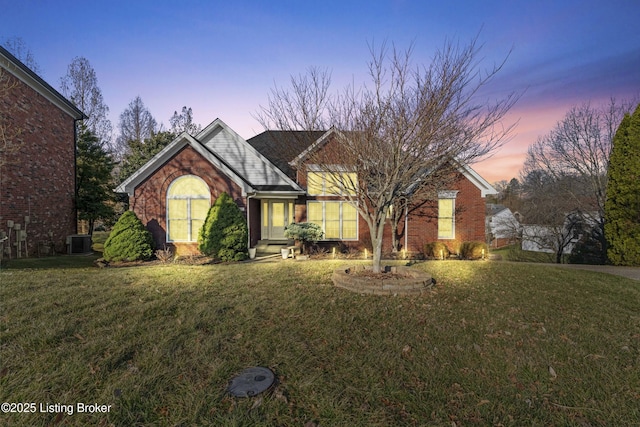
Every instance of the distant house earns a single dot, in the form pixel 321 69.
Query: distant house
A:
pixel 173 191
pixel 547 238
pixel 37 160
pixel 559 239
pixel 502 226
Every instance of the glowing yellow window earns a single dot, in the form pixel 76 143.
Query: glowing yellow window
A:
pixel 349 222
pixel 339 220
pixel 341 183
pixel 328 183
pixel 332 220
pixel 446 219
pixel 315 183
pixel 314 213
pixel 188 201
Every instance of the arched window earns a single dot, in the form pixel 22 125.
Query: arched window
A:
pixel 188 201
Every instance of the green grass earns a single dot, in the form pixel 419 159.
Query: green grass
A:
pixel 98 239
pixel 514 253
pixel 52 262
pixel 160 343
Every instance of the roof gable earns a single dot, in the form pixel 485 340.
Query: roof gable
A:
pixel 129 185
pixel 481 183
pixel 243 157
pixel 227 151
pixel 23 73
pixel 323 138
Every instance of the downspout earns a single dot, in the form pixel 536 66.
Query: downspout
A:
pixel 406 228
pixel 249 196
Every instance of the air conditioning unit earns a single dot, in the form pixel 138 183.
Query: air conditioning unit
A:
pixel 78 244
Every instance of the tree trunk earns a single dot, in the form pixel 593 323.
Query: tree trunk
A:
pixel 91 223
pixel 395 235
pixel 376 242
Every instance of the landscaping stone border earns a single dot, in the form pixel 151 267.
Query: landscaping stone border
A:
pixel 415 282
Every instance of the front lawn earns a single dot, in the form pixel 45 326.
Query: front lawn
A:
pixel 493 344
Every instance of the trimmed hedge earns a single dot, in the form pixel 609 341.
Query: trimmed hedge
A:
pixel 473 250
pixel 129 240
pixel 432 250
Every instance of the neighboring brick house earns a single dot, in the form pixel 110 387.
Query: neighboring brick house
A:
pixel 37 157
pixel 173 191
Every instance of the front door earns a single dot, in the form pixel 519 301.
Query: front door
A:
pixel 276 215
pixel 277 219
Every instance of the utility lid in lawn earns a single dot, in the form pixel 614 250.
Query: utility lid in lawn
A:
pixel 251 381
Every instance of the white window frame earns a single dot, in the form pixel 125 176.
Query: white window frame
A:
pixel 190 237
pixel 324 220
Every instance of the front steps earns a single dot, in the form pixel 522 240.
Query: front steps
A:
pixel 271 247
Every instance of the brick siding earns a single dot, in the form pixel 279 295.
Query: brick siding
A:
pixel 38 181
pixel 149 200
pixel 423 223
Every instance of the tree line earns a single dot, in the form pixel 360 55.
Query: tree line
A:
pixel 576 183
pixel 105 161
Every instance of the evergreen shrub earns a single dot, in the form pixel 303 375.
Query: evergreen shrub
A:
pixel 622 207
pixel 305 232
pixel 224 233
pixel 129 240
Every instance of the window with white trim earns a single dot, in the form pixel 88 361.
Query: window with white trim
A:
pixel 447 214
pixel 188 202
pixel 339 220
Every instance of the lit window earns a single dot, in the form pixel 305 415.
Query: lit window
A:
pixel 188 202
pixel 315 183
pixel 326 183
pixel 339 220
pixel 446 215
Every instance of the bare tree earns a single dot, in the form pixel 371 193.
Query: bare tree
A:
pixel 407 122
pixel 550 219
pixel 80 86
pixel 183 122
pixel 19 49
pixel 575 157
pixel 136 124
pixel 580 146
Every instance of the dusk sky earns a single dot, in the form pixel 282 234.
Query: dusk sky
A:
pixel 222 58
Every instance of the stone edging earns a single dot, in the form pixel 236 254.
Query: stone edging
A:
pixel 417 282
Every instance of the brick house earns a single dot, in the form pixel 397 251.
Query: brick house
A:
pixel 173 191
pixel 37 159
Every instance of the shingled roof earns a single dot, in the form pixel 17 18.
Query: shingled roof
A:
pixel 280 147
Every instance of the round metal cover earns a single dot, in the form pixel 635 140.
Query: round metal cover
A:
pixel 251 381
